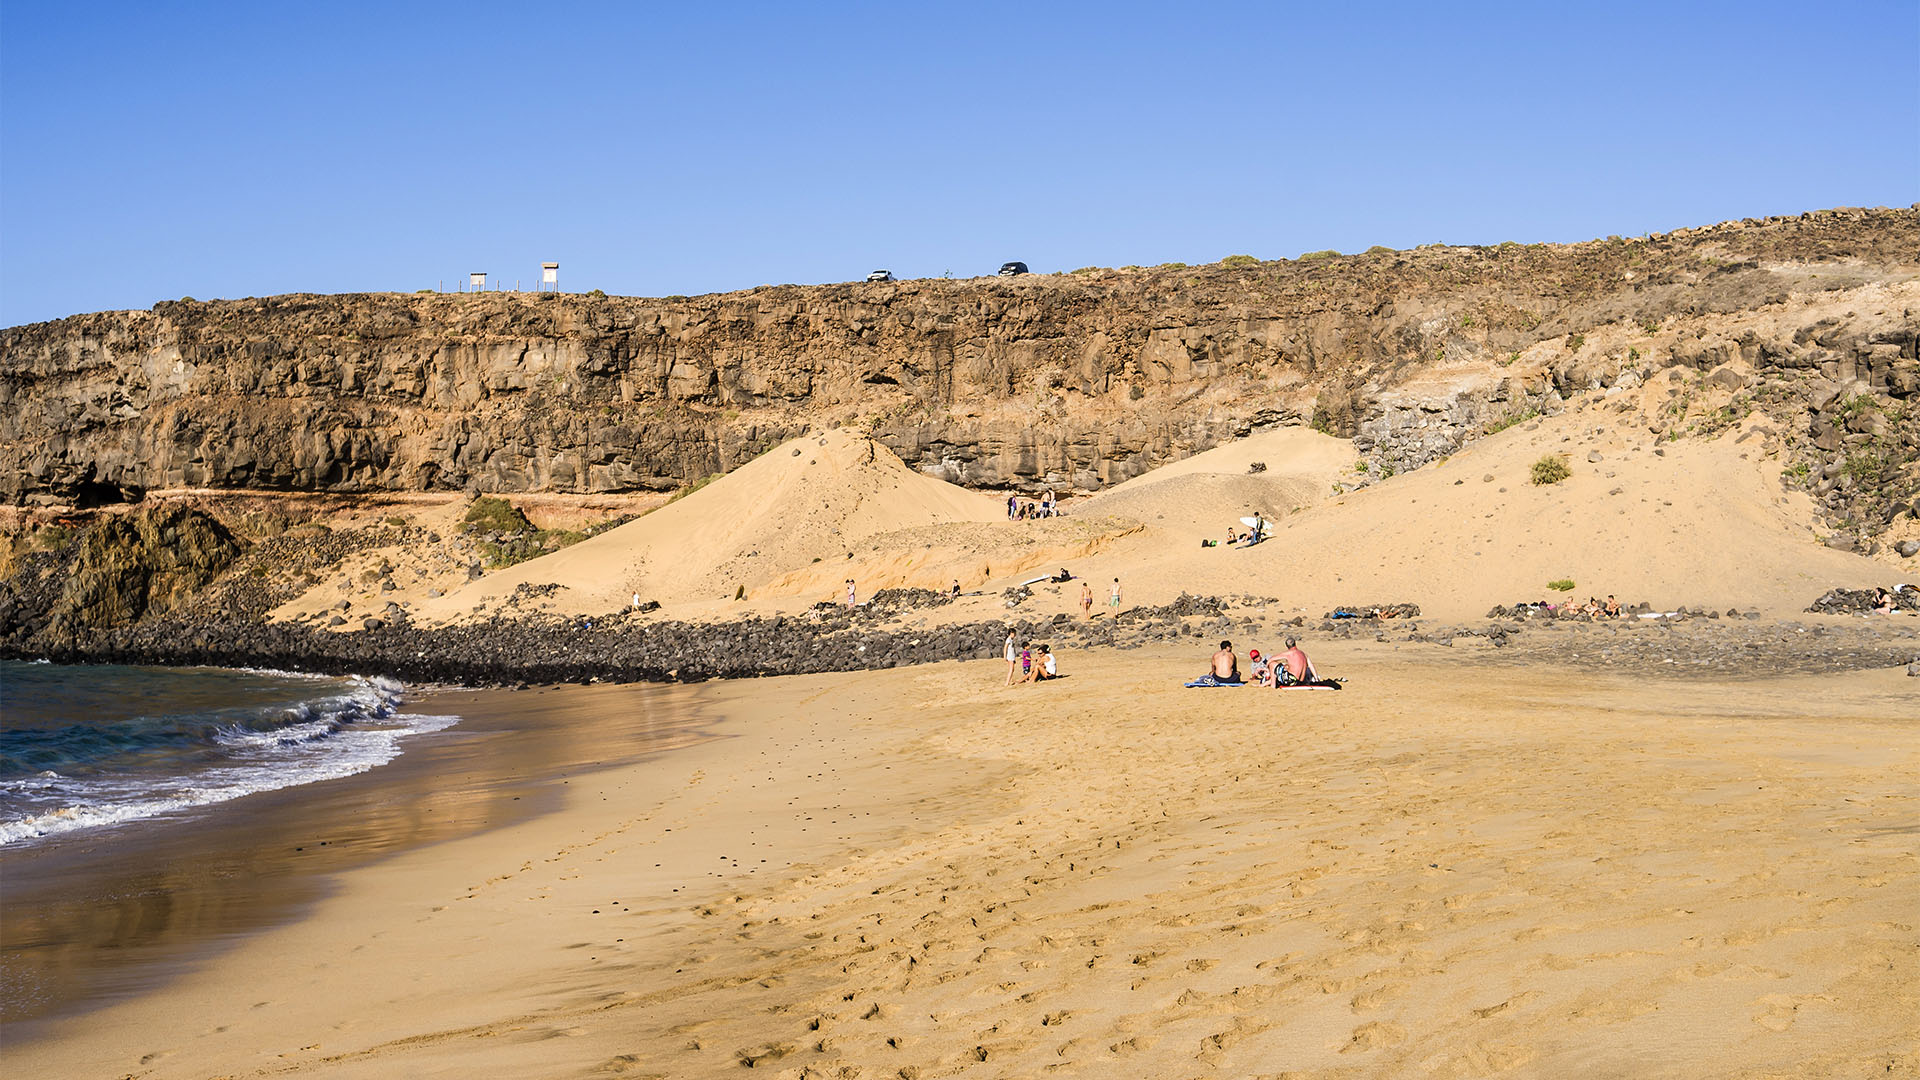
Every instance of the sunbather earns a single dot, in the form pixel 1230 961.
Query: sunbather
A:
pixel 1296 665
pixel 1259 668
pixel 1226 664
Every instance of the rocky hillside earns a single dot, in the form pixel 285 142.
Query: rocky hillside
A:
pixel 1080 380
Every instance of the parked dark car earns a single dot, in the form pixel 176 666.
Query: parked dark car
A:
pixel 880 275
pixel 1012 269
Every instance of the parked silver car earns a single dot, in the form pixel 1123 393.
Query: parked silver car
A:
pixel 880 275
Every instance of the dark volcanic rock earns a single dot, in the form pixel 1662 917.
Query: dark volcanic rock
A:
pixel 147 561
pixel 1862 601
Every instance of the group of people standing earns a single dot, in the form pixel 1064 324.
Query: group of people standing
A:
pixel 1019 509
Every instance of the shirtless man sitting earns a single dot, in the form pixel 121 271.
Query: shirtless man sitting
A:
pixel 1296 665
pixel 1226 665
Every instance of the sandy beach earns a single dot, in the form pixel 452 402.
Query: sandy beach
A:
pixel 1453 867
pixel 593 613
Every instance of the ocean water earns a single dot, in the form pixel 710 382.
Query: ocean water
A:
pixel 90 747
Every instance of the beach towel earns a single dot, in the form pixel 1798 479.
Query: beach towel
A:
pixel 1214 680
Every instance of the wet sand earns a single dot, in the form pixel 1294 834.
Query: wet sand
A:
pixel 1448 869
pixel 101 915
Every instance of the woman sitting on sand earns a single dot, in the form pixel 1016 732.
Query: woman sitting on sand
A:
pixel 1045 668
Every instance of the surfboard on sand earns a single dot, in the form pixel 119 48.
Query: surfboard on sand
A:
pixel 1313 684
pixel 1255 523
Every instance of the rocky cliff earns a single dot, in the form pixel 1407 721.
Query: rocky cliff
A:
pixel 1079 379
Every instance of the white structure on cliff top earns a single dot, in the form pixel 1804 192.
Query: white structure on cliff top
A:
pixel 549 277
pixel 477 281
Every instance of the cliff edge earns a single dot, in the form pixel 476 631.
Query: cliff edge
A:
pixel 1075 380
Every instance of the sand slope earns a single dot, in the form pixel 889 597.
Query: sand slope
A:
pixel 1207 492
pixel 1695 522
pixel 813 498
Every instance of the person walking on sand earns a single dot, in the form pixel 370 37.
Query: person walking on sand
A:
pixel 1086 599
pixel 1113 596
pixel 1012 656
pixel 850 592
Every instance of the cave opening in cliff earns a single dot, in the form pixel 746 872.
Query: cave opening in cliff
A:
pixel 88 494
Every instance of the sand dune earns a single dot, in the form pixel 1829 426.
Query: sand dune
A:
pixel 1205 493
pixel 1694 522
pixel 1700 521
pixel 809 500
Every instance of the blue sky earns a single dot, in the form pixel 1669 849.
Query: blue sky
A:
pixel 151 151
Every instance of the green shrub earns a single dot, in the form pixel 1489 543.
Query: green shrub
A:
pixel 597 294
pixel 1575 341
pixel 1239 260
pixel 1857 404
pixel 1360 466
pixel 1087 270
pixel 1551 470
pixel 1381 249
pixel 1171 266
pixel 1504 423
pixel 492 514
pixel 1563 585
pixel 1868 469
pixel 1324 254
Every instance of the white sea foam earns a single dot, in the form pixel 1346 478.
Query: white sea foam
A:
pixel 326 739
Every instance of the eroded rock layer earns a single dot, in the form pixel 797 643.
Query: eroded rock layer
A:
pixel 1077 380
